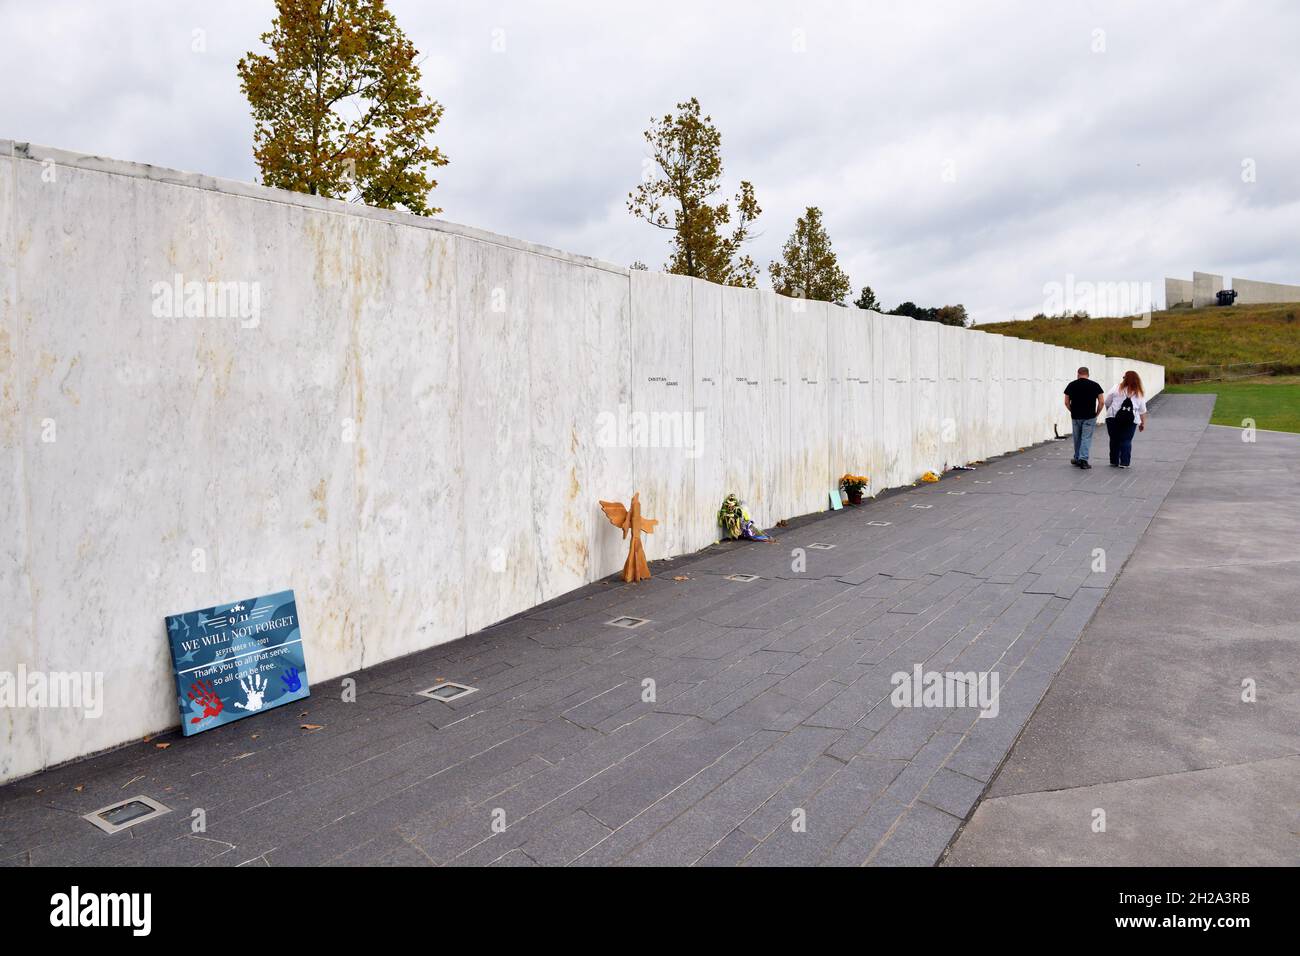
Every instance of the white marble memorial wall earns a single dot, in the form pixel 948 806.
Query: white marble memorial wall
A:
pixel 414 433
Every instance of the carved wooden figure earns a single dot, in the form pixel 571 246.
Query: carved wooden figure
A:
pixel 630 520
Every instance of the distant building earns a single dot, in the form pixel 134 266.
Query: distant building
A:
pixel 1203 289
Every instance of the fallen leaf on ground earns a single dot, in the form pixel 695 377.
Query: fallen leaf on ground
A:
pixel 79 787
pixel 162 746
pixel 680 577
pixel 311 726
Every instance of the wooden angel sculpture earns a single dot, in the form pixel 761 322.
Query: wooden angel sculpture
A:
pixel 635 569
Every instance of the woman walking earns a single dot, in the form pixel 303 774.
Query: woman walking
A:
pixel 1126 415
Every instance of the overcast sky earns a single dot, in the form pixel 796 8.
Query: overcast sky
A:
pixel 961 152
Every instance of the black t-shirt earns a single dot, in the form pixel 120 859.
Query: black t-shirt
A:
pixel 1083 394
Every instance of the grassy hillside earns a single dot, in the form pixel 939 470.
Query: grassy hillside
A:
pixel 1182 340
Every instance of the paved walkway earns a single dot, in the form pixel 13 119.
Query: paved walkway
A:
pixel 1146 721
pixel 771 701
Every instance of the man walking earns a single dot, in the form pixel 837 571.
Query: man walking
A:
pixel 1084 399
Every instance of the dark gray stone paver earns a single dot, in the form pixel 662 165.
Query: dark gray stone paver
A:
pixel 772 700
pixel 1146 720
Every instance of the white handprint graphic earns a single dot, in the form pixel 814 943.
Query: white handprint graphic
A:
pixel 254 689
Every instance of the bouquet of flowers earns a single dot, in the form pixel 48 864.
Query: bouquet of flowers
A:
pixel 736 523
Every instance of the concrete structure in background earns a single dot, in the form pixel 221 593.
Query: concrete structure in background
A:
pixel 1205 289
pixel 1177 292
pixel 406 421
pixel 1250 292
pixel 1201 291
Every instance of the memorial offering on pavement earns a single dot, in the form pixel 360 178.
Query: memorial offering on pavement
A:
pixel 630 520
pixel 736 522
pixel 855 486
pixel 233 660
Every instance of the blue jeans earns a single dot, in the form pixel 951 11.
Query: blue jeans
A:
pixel 1121 442
pixel 1082 429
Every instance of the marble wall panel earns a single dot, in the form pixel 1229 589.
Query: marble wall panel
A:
pixel 926 408
pixel 495 310
pixel 662 405
pixel 741 443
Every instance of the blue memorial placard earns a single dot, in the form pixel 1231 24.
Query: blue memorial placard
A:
pixel 233 660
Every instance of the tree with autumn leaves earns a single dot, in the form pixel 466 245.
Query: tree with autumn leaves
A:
pixel 808 268
pixel 677 195
pixel 337 106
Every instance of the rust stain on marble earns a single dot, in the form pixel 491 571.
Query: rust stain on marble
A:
pixel 318 496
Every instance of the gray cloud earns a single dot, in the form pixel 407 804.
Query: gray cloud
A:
pixel 1118 164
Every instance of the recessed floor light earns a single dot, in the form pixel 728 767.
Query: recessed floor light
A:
pixel 879 524
pixel 447 691
pixel 922 506
pixel 743 578
pixel 954 492
pixel 628 622
pixel 821 547
pixel 126 813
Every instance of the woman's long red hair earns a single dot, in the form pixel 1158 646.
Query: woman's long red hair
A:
pixel 1132 383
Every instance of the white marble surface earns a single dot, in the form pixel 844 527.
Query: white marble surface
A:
pixel 663 469
pixel 711 445
pixel 409 435
pixel 408 452
pixel 952 391
pixel 1064 373
pixel 972 428
pixel 20 728
pixel 501 553
pixel 562 396
pixel 896 414
pixel 609 467
pixel 1022 362
pixel 996 440
pixel 843 331
pixel 736 457
pixel 1115 369
pixel 809 441
pixel 774 499
pixel 926 406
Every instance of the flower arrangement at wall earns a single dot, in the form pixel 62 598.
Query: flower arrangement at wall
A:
pixel 736 522
pixel 929 477
pixel 854 486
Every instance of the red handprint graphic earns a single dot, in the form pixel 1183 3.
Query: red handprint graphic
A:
pixel 202 693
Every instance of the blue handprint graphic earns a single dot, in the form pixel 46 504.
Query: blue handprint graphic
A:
pixel 292 682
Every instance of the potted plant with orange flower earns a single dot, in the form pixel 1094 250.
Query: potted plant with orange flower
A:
pixel 854 486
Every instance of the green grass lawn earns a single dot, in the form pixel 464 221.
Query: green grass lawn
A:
pixel 1273 403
